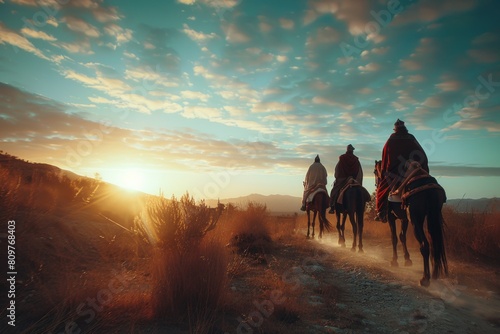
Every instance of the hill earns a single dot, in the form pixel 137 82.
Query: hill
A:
pixel 291 204
pixel 487 205
pixel 274 203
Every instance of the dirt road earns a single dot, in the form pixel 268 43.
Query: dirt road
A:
pixel 384 299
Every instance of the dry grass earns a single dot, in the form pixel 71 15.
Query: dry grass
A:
pixel 468 235
pixel 472 235
pixel 249 231
pixel 189 269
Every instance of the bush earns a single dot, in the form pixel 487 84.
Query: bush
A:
pixel 251 232
pixel 189 271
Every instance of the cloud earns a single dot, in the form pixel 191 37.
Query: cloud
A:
pixel 197 36
pixel 82 46
pixel 331 102
pixel 323 35
pixel 201 112
pixel 122 35
pixel 272 107
pixel 234 34
pixel 410 65
pixel 106 14
pixel 124 95
pixel 80 26
pixel 8 36
pixel 286 23
pixel 70 141
pixel 192 95
pixel 429 11
pixel 37 34
pixel 484 56
pixel 416 78
pixel 433 102
pixel 453 170
pixel 485 38
pixel 449 86
pixel 371 67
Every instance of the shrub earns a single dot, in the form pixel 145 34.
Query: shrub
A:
pixel 189 271
pixel 250 230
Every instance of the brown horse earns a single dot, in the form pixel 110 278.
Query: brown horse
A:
pixel 424 198
pixel 395 211
pixel 353 205
pixel 318 206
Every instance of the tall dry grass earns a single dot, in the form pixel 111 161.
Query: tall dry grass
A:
pixel 189 268
pixel 472 235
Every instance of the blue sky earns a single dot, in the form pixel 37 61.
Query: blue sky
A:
pixel 223 98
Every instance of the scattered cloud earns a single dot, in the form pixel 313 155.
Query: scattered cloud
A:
pixel 8 36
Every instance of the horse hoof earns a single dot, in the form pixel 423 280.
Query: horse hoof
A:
pixel 394 263
pixel 425 282
pixel 361 250
pixel 408 263
pixel 353 249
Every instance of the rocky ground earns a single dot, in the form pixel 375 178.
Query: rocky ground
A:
pixel 349 292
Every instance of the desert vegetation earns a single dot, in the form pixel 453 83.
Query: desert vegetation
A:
pixel 93 258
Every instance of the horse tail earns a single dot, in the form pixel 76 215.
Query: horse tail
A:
pixel 325 203
pixel 435 224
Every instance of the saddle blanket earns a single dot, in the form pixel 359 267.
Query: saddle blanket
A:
pixel 351 182
pixel 311 195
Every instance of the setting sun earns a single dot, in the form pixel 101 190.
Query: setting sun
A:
pixel 129 178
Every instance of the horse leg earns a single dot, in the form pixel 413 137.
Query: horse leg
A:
pixel 435 228
pixel 339 229
pixel 360 231
pixel 402 237
pixel 308 223
pixel 417 216
pixel 313 223
pixel 321 226
pixel 392 224
pixel 354 230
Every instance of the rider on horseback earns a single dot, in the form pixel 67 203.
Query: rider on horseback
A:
pixel 399 148
pixel 348 166
pixel 316 176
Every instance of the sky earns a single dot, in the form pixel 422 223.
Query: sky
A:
pixel 225 98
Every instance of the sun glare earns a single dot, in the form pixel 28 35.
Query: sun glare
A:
pixel 131 179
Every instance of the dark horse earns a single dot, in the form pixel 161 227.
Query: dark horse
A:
pixel 395 211
pixel 424 198
pixel 319 205
pixel 353 205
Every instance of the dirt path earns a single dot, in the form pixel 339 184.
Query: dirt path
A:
pixel 383 299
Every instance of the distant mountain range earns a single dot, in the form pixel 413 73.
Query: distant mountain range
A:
pixel 291 204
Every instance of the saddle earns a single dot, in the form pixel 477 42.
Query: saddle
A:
pixel 416 180
pixel 351 182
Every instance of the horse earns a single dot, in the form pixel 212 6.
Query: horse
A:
pixel 424 198
pixel 319 205
pixel 353 205
pixel 395 211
